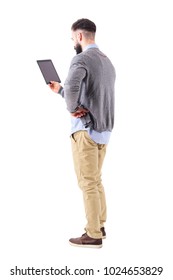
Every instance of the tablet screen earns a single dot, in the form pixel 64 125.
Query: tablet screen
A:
pixel 48 70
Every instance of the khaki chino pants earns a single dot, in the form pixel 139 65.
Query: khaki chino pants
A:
pixel 88 158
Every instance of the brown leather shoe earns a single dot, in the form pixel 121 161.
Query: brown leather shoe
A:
pixel 86 241
pixel 103 233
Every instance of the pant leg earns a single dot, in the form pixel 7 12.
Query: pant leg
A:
pixel 88 158
pixel 103 214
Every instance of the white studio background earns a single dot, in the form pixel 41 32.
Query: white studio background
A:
pixel 41 205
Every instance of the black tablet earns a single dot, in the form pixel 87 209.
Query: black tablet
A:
pixel 48 70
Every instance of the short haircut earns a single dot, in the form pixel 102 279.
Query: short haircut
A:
pixel 84 24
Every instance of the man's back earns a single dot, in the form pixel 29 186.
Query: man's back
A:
pixel 96 92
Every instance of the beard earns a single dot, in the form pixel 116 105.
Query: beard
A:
pixel 78 48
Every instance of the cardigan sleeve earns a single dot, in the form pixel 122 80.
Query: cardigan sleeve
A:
pixel 73 84
pixel 61 91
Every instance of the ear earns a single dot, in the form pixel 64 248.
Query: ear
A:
pixel 79 35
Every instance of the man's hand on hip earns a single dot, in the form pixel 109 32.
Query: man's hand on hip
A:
pixel 80 113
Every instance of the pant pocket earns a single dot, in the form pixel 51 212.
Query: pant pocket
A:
pixel 72 138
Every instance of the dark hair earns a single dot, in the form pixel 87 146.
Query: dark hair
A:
pixel 84 24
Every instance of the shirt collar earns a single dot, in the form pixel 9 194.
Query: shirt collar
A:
pixel 90 46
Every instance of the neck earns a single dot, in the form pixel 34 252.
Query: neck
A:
pixel 88 42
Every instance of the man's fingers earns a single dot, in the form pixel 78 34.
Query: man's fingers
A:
pixel 80 112
pixel 78 115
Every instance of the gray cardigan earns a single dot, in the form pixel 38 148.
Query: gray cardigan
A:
pixel 90 84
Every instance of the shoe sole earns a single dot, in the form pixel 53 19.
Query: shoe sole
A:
pixel 86 246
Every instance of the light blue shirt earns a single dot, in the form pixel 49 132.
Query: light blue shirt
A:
pixel 76 123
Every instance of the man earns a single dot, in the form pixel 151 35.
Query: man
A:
pixel 89 95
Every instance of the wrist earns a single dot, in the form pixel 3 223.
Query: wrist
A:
pixel 60 90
